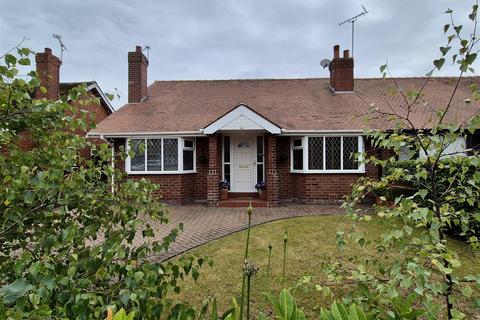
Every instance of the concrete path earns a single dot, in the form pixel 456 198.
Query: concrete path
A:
pixel 202 224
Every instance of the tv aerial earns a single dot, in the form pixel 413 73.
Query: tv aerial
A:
pixel 147 48
pixel 62 46
pixel 352 21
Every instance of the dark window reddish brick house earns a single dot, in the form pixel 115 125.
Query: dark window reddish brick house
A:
pixel 296 135
pixel 48 70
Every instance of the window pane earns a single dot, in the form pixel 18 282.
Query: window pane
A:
pixel 297 142
pixel 298 159
pixel 260 149
pixel 332 154
pixel 226 149
pixel 226 172
pixel 188 143
pixel 154 155
pixel 350 147
pixel 137 162
pixel 259 173
pixel 315 153
pixel 170 154
pixel 187 159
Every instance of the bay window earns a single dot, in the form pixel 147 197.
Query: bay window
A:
pixel 326 154
pixel 160 155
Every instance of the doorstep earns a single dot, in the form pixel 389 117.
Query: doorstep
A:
pixel 242 200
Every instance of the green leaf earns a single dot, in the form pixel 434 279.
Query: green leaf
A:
pixel 24 61
pixel 467 291
pixel 10 59
pixel 138 275
pixel 473 15
pixel 422 193
pixel 439 63
pixel 444 50
pixel 445 28
pixel 12 292
pixel 470 58
pixel 339 312
pixel 286 304
pixel 356 313
pixel 275 305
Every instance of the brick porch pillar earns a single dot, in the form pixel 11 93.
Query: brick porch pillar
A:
pixel 271 173
pixel 213 176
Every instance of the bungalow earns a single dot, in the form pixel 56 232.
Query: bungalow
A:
pixel 296 135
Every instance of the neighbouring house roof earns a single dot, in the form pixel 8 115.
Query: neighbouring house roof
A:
pixel 92 86
pixel 291 104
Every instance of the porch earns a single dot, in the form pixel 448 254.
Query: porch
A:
pixel 242 153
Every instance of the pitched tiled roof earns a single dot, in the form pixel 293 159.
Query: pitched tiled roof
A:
pixel 92 86
pixel 292 104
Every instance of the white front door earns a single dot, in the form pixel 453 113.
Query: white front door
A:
pixel 243 156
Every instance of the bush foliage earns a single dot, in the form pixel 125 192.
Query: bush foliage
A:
pixel 66 232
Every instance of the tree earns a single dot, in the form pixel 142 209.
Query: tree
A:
pixel 443 193
pixel 66 233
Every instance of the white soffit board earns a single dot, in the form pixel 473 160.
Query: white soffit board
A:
pixel 242 118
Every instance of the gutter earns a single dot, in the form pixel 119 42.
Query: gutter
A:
pixel 199 133
pixel 287 132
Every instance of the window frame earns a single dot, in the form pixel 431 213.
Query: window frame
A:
pixel 225 163
pixel 360 169
pixel 180 148
pixel 258 163
pixel 300 147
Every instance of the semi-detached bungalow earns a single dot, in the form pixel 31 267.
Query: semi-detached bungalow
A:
pixel 296 135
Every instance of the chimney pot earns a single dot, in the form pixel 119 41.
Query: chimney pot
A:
pixel 336 51
pixel 48 50
pixel 138 49
pixel 346 54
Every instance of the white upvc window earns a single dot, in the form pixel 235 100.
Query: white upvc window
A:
pixel 161 155
pixel 326 154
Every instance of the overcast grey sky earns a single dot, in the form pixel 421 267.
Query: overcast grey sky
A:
pixel 224 39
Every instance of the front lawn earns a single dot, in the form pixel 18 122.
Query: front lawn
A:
pixel 311 240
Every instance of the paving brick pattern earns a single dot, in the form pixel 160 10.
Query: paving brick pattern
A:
pixel 203 224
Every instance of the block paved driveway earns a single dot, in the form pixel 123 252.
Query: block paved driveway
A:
pixel 202 224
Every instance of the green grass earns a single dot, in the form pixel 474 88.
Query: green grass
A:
pixel 311 241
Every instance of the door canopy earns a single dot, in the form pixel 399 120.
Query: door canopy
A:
pixel 242 118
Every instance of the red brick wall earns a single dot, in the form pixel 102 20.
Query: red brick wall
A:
pixel 271 170
pixel 314 188
pixel 177 188
pixel 305 188
pixel 200 193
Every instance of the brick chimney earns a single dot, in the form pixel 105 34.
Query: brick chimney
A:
pixel 137 75
pixel 341 71
pixel 48 70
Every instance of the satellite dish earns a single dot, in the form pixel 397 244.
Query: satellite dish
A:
pixel 325 63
